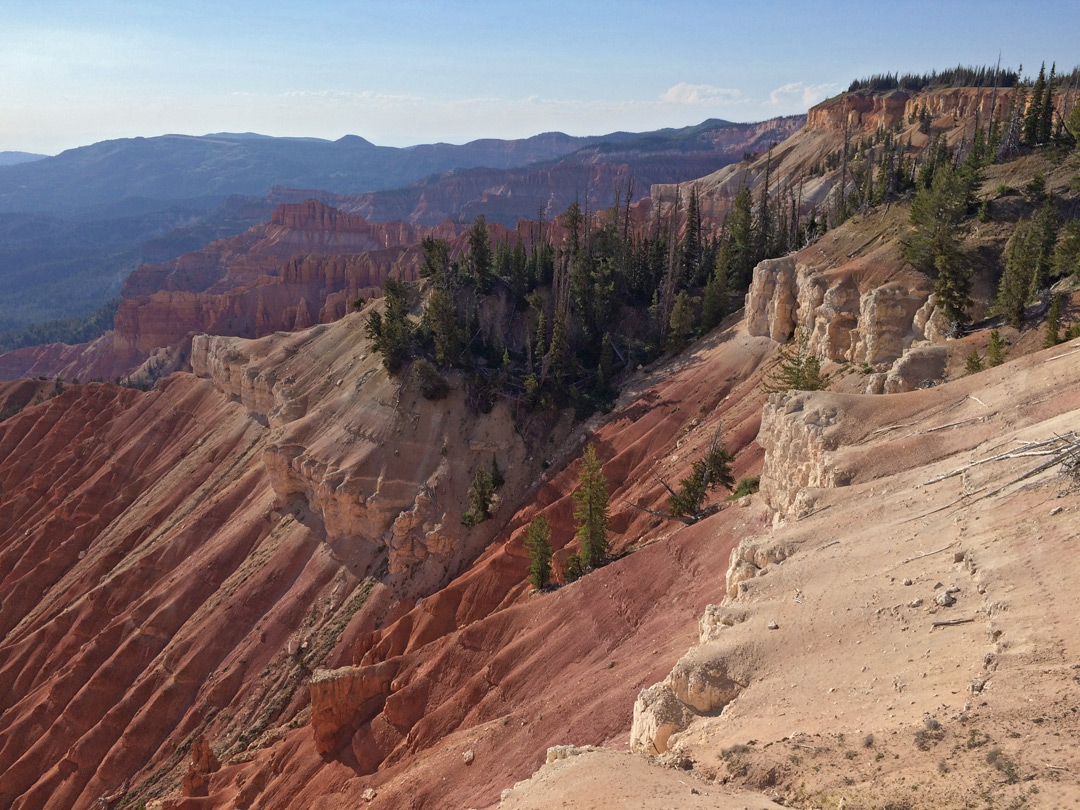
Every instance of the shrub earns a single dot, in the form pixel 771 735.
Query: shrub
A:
pixel 746 486
pixel 433 385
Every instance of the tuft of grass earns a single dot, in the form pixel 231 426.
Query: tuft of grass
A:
pixel 747 486
pixel 929 735
pixel 996 759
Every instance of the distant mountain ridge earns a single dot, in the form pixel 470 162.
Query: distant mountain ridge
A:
pixel 15 158
pixel 187 167
pixel 592 175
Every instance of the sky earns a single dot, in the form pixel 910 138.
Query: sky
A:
pixel 74 72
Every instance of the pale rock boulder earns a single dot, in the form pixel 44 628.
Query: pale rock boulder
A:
pixel 658 714
pixel 797 435
pixel 748 560
pixel 559 752
pixel 703 680
pixel 702 683
pixel 886 323
pixel 715 620
pixel 919 368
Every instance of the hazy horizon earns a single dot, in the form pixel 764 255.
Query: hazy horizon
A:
pixel 79 73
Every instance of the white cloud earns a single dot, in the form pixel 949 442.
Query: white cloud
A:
pixel 801 94
pixel 684 93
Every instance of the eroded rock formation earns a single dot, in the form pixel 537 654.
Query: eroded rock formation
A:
pixel 850 316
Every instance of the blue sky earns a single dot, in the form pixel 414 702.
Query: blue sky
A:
pixel 400 73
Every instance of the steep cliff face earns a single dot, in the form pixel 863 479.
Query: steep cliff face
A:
pixel 846 318
pixel 796 433
pixel 295 230
pixel 800 161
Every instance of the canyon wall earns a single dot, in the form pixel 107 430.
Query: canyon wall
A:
pixel 851 314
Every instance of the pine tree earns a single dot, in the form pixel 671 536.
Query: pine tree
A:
pixel 604 389
pixel 557 360
pixel 738 243
pixel 1046 113
pixel 442 322
pixel 796 368
pixel 480 492
pixel 478 263
pixel 1053 323
pixel 538 545
pixel 1034 109
pixel 995 349
pixel 717 295
pixel 1044 234
pixel 707 473
pixel 681 322
pixel 974 363
pixel 1015 284
pixel 934 248
pixel 1066 260
pixel 391 333
pixel 436 259
pixel 691 246
pixel 591 510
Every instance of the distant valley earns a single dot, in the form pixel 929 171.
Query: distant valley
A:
pixel 72 227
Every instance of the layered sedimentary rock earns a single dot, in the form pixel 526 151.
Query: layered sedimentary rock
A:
pixel 845 318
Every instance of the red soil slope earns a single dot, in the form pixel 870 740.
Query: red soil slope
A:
pixel 158 591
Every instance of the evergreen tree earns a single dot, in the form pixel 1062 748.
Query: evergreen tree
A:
pixel 707 473
pixel 557 360
pixel 604 389
pixel 478 263
pixel 738 242
pixel 591 510
pixel 1015 284
pixel 717 295
pixel 691 246
pixel 520 282
pixel 442 322
pixel 480 493
pixel 796 368
pixel 391 332
pixel 1044 234
pixel 1053 323
pixel 1066 260
pixel 1034 111
pixel 1072 124
pixel 1028 264
pixel 436 259
pixel 573 221
pixel 995 349
pixel 973 364
pixel 937 213
pixel 681 322
pixel 1046 112
pixel 538 545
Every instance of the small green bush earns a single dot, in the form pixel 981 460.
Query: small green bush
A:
pixel 433 385
pixel 746 486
